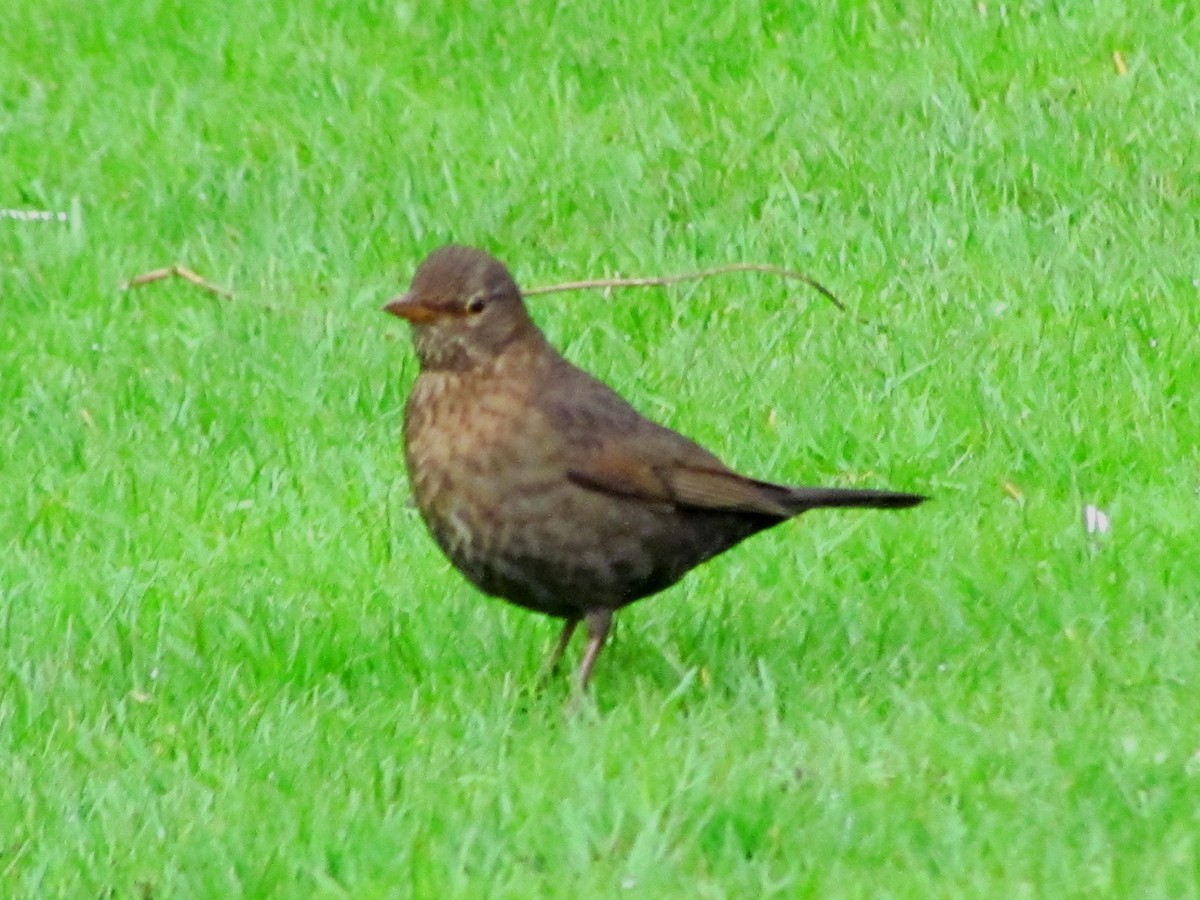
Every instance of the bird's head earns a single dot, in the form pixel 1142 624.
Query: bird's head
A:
pixel 464 308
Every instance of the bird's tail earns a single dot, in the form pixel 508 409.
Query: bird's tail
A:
pixel 802 499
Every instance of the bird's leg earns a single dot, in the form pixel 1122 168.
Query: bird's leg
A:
pixel 560 648
pixel 598 622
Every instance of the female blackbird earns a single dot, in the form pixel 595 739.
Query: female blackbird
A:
pixel 540 483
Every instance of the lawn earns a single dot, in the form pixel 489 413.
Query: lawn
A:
pixel 233 663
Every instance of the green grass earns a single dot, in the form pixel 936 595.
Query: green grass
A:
pixel 232 662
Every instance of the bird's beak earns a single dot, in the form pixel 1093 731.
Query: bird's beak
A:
pixel 409 307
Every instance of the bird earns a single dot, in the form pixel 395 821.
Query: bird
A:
pixel 541 484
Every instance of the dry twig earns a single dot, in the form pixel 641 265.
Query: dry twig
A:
pixel 660 281
pixel 176 271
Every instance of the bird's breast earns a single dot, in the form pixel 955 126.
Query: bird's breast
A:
pixel 470 449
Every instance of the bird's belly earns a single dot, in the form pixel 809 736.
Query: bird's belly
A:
pixel 550 546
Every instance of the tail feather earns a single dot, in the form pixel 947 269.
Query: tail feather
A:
pixel 802 499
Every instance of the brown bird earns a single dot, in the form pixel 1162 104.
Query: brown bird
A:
pixel 540 483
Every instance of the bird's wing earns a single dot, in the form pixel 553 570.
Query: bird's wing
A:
pixel 721 489
pixel 609 447
pixel 638 473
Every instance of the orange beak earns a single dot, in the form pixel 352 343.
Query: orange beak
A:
pixel 408 307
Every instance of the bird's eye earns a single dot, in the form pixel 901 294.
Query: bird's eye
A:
pixel 476 304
